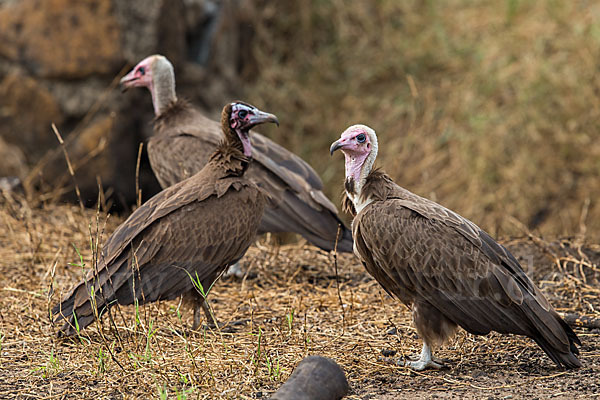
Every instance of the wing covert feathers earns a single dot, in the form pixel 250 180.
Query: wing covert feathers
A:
pixel 420 251
pixel 199 226
pixel 183 142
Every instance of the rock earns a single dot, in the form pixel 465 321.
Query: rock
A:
pixel 388 352
pixel 202 20
pixel 76 99
pixel 152 26
pixel 92 160
pixel 315 378
pixel 61 38
pixel 93 139
pixel 58 57
pixel 30 131
pixel 137 19
pixel 171 37
pixel 89 157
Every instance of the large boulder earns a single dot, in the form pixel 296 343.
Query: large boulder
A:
pixel 61 38
pixel 27 110
pixel 60 61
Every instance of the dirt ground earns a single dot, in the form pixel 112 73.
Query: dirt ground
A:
pixel 287 307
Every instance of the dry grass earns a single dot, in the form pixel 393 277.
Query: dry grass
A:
pixel 291 309
pixel 489 107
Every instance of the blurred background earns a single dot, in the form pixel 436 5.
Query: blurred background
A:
pixel 489 107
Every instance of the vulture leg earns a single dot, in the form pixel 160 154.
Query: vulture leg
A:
pixel 434 328
pixel 202 305
pixel 426 360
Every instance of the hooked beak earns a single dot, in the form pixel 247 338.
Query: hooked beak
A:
pixel 338 144
pixel 261 117
pixel 127 80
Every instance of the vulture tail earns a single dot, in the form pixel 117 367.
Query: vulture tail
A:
pixel 78 309
pixel 319 227
pixel 345 243
pixel 550 334
pixel 567 359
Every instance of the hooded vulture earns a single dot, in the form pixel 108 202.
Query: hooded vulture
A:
pixel 441 265
pixel 184 139
pixel 190 231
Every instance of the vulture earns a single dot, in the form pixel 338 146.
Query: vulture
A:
pixel 184 139
pixel 446 269
pixel 187 233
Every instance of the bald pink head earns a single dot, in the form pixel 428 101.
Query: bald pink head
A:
pixel 155 73
pixel 359 145
pixel 140 75
pixel 354 141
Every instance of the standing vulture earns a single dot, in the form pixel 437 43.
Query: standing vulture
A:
pixel 444 267
pixel 191 230
pixel 184 139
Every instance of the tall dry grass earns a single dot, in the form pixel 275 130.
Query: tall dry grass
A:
pixel 488 107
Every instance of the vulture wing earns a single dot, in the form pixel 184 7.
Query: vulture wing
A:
pixel 420 251
pixel 184 142
pixel 193 229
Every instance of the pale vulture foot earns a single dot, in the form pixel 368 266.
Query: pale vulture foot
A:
pixel 234 270
pixel 425 361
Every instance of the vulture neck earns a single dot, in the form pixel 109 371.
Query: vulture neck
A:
pixel 163 90
pixel 229 154
pixel 357 170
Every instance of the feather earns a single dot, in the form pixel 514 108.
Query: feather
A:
pixel 443 266
pixel 184 139
pixel 196 227
pixel 423 253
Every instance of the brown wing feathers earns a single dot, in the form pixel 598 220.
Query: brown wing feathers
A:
pixel 198 226
pixel 182 144
pixel 422 252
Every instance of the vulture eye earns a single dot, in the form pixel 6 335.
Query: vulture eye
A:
pixel 142 70
pixel 361 138
pixel 242 114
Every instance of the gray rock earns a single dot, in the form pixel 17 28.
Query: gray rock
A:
pixel 315 378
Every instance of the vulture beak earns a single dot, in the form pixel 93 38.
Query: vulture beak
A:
pixel 127 79
pixel 261 117
pixel 338 144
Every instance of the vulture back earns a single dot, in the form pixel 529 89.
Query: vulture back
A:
pixel 436 260
pixel 190 231
pixel 183 142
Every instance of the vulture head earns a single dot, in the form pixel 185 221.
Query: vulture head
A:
pixel 359 145
pixel 157 74
pixel 240 117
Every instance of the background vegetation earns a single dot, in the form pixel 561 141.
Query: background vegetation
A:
pixel 488 107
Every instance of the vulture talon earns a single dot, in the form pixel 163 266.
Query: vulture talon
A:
pixel 444 267
pixel 425 361
pixel 421 365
